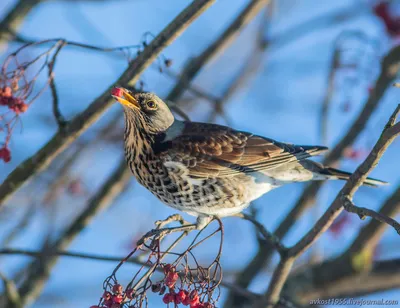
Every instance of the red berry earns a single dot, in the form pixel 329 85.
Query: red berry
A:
pixel 7 92
pixel 5 154
pixel 168 298
pixel 168 268
pixel 180 297
pixel 118 299
pixel 118 92
pixel 208 305
pixel 117 288
pixel 106 295
pixel 171 279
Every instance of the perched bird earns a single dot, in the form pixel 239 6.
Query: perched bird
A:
pixel 209 170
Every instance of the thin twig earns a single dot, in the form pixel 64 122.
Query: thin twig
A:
pixel 370 234
pixel 362 212
pixel 56 108
pixel 273 240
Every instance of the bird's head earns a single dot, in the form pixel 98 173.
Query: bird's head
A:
pixel 145 110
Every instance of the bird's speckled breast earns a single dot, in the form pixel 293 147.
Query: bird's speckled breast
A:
pixel 169 182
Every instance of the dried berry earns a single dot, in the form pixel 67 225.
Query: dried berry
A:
pixel 117 299
pixel 156 287
pixel 5 154
pixel 117 288
pixel 168 298
pixel 130 293
pixel 180 296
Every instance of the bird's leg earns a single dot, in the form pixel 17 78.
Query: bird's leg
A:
pixel 203 221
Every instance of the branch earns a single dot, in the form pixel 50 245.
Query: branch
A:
pixel 11 293
pixel 222 42
pixel 81 122
pixel 370 234
pixel 307 199
pixel 14 18
pixel 281 273
pixel 39 271
pixel 362 212
pixel 56 108
pixel 273 240
pixel 337 279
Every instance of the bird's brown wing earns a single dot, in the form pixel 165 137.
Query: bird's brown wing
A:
pixel 210 150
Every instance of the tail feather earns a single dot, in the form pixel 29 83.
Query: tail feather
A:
pixel 342 175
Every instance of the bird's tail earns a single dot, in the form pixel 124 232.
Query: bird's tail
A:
pixel 342 175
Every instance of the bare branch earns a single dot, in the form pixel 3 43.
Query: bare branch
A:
pixel 273 240
pixel 337 279
pixel 11 293
pixel 14 18
pixel 390 132
pixel 39 271
pixel 370 234
pixel 56 108
pixel 222 42
pixel 307 199
pixel 362 212
pixel 81 122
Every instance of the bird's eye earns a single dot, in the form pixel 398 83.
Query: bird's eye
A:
pixel 151 105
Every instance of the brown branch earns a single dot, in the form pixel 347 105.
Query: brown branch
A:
pixel 370 234
pixel 222 42
pixel 39 271
pixel 81 122
pixel 14 18
pixel 362 212
pixel 307 199
pixel 11 293
pixel 280 275
pixel 273 240
pixel 56 108
pixel 337 279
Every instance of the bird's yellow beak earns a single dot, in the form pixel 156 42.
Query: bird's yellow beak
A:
pixel 124 97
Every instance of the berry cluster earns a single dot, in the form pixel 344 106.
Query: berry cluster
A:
pixel 8 99
pixel 116 298
pixel 17 105
pixel 185 297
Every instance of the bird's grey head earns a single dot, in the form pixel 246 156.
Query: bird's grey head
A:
pixel 145 110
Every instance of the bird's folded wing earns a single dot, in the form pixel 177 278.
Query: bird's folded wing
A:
pixel 210 150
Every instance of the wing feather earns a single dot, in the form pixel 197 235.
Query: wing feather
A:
pixel 210 150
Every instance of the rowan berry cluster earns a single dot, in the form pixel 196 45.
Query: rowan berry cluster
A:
pixel 8 99
pixel 15 104
pixel 185 296
pixel 116 298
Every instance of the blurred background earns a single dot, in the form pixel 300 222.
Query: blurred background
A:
pixel 298 72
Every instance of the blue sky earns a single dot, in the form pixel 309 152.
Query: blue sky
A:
pixel 282 102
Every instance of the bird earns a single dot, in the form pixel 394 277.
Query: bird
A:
pixel 209 170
